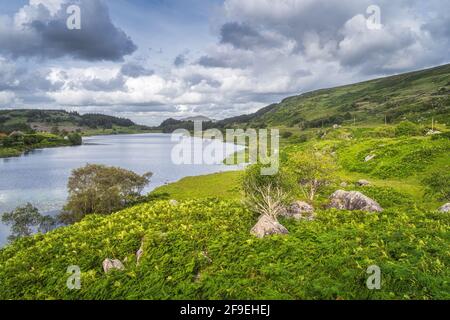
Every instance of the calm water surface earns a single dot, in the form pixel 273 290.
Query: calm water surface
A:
pixel 40 177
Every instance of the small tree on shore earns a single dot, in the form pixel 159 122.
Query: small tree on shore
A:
pixel 23 220
pixel 312 171
pixel 102 190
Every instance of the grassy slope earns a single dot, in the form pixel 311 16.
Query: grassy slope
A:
pixel 191 250
pixel 223 185
pixel 417 96
pixel 202 249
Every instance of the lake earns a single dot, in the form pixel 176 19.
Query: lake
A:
pixel 40 177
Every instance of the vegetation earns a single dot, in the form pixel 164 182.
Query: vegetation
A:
pixel 102 190
pixel 312 171
pixel 200 247
pixel 17 142
pixel 23 219
pixel 24 130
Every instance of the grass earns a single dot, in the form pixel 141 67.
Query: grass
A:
pixel 223 185
pixel 202 249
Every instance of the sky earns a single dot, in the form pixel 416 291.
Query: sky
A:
pixel 149 60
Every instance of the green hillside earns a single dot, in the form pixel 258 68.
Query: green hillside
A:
pixel 201 247
pixel 416 96
pixel 60 120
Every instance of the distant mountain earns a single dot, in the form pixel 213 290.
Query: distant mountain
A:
pixel 48 120
pixel 197 118
pixel 416 96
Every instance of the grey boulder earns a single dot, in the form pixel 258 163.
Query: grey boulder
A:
pixel 112 264
pixel 353 200
pixel 445 208
pixel 267 226
pixel 300 210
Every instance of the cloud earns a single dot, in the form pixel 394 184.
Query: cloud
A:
pixel 134 70
pixel 180 60
pixel 40 30
pixel 264 51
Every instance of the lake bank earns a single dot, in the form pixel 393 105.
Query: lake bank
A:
pixel 40 176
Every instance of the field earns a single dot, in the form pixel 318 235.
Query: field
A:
pixel 392 132
pixel 201 248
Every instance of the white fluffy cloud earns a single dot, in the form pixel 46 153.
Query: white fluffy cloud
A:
pixel 265 50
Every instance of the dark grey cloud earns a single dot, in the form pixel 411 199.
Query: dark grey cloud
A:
pixel 134 70
pixel 212 62
pixel 243 36
pixel 20 79
pixel 47 35
pixel 180 60
pixel 114 84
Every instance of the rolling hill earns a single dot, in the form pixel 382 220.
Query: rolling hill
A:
pixel 52 120
pixel 416 96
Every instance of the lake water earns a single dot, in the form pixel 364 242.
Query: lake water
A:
pixel 40 177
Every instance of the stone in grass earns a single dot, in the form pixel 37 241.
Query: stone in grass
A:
pixel 369 157
pixel 445 208
pixel 267 226
pixel 353 200
pixel 363 183
pixel 173 203
pixel 140 253
pixel 300 210
pixel 112 264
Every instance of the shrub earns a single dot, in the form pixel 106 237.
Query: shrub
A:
pixel 101 189
pixel 407 128
pixel 23 219
pixel 312 171
pixel 75 139
pixel 438 184
pixel 286 134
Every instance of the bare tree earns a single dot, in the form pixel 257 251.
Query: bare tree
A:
pixel 267 200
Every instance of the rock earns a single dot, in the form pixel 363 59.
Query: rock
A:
pixel 336 126
pixel 363 183
pixel 140 253
pixel 300 210
pixel 433 132
pixel 173 203
pixel 267 226
pixel 344 184
pixel 369 157
pixel 112 264
pixel 353 200
pixel 445 208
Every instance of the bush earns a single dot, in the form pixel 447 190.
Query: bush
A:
pixel 101 189
pixel 75 139
pixel 286 134
pixel 438 184
pixel 24 219
pixel 407 128
pixel 312 172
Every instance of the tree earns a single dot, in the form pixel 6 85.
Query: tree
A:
pixel 312 171
pixel 102 190
pixel 23 219
pixel 266 195
pixel 75 139
pixel 267 200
